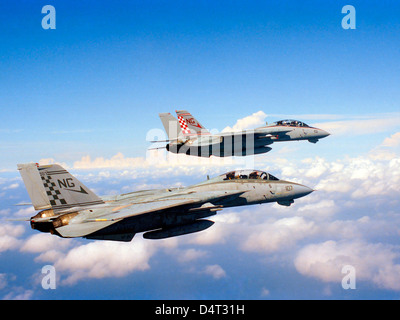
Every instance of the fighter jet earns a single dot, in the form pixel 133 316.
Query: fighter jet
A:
pixel 69 209
pixel 187 136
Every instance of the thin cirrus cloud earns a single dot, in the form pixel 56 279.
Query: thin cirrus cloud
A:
pixel 370 124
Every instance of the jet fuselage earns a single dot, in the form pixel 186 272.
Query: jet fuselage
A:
pixel 246 142
pixel 159 213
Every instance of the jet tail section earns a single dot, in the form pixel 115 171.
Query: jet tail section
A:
pixel 171 126
pixel 33 184
pixel 54 187
pixel 189 125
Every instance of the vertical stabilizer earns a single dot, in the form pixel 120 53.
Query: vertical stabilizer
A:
pixel 52 186
pixel 189 124
pixel 171 126
pixel 64 190
pixel 33 184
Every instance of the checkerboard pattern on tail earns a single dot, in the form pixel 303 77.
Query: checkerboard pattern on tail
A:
pixel 189 124
pixel 52 191
pixel 184 126
pixel 64 191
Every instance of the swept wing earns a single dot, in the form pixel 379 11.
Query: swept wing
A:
pixel 89 222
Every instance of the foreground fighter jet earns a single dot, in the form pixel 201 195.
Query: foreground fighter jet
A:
pixel 187 136
pixel 69 209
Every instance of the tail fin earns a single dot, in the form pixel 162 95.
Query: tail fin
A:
pixel 171 126
pixel 189 124
pixel 33 184
pixel 62 190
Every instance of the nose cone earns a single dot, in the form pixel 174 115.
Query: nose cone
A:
pixel 323 133
pixel 300 191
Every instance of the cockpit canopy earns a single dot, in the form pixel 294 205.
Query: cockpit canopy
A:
pixel 290 123
pixel 248 174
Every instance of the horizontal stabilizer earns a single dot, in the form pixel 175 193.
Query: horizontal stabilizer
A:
pixel 20 219
pixel 74 230
pixel 158 148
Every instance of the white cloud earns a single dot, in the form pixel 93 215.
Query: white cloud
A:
pixel 225 225
pixel 19 293
pixel 392 141
pixel 249 122
pixel 3 280
pixel 325 219
pixel 282 233
pixel 372 262
pixel 8 242
pixel 265 292
pixel 388 149
pixel 185 256
pixel 117 161
pixel 9 234
pixel 44 242
pixel 26 212
pixel 318 209
pixel 13 292
pixel 4 212
pixel 339 180
pixel 11 186
pixel 215 271
pixel 317 167
pixel 360 177
pixel 155 159
pixel 105 259
pixel 47 161
pixel 216 234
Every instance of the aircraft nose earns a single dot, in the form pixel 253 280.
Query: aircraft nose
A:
pixel 301 190
pixel 324 133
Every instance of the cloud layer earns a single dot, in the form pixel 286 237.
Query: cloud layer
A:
pixel 352 219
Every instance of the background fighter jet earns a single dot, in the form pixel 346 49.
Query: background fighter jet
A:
pixel 69 209
pixel 186 135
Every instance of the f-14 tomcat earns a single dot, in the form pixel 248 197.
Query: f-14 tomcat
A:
pixel 187 136
pixel 69 209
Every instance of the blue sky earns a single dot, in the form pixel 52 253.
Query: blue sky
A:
pixel 88 94
pixel 108 69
